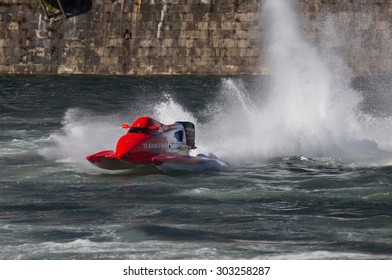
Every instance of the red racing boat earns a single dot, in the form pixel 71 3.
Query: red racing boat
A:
pixel 153 143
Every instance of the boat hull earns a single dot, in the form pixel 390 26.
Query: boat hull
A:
pixel 173 163
pixel 108 160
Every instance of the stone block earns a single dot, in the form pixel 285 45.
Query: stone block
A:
pixel 74 44
pixel 13 25
pixel 147 43
pixel 243 43
pixel 4 68
pixel 115 43
pixel 241 17
pixel 189 43
pixel 230 69
pixel 227 43
pixel 166 43
pixel 383 25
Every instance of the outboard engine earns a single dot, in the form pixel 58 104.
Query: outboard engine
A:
pixel 189 133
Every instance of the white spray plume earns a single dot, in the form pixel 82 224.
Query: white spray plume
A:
pixel 309 109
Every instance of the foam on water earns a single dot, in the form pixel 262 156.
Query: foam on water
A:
pixel 83 133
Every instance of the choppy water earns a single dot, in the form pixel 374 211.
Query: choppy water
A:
pixel 309 153
pixel 54 205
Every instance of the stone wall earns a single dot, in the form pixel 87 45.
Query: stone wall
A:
pixel 142 37
pixel 361 35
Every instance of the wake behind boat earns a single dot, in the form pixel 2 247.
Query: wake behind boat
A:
pixel 149 142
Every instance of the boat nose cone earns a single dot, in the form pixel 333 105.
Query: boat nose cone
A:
pixel 127 143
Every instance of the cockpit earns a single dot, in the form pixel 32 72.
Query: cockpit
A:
pixel 144 125
pixel 140 130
